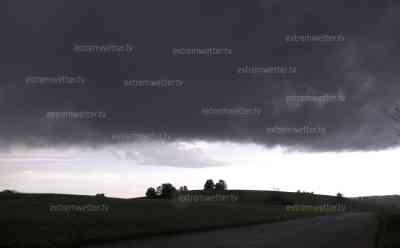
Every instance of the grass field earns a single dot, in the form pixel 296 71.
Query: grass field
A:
pixel 388 235
pixel 32 220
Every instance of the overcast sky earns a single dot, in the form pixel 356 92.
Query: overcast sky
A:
pixel 145 111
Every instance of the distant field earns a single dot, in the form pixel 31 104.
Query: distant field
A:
pixel 26 219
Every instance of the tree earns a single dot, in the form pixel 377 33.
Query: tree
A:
pixel 167 190
pixel 209 185
pixel 159 191
pixel 339 197
pixel 221 185
pixel 151 193
pixel 183 189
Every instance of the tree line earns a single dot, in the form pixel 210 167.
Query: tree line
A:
pixel 167 190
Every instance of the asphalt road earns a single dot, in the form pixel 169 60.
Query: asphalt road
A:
pixel 352 230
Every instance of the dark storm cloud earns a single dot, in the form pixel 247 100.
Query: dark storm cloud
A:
pixel 39 40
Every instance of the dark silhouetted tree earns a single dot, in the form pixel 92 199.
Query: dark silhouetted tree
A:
pixel 209 185
pixel 339 198
pixel 159 190
pixel 151 193
pixel 167 190
pixel 221 185
pixel 183 189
